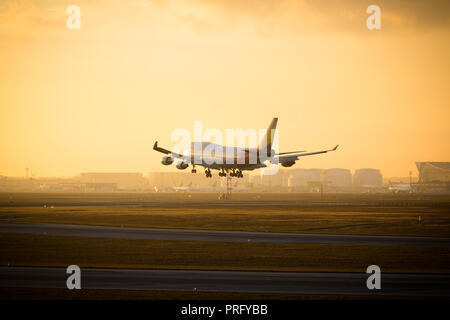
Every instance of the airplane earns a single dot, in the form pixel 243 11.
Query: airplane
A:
pixel 400 188
pixel 182 188
pixel 242 157
pixel 191 188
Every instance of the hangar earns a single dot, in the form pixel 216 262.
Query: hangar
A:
pixel 433 172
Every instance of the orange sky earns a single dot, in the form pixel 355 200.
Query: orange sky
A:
pixel 96 99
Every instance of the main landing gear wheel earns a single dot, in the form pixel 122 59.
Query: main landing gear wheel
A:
pixel 238 174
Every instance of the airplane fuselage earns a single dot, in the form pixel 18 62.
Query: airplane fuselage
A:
pixel 214 156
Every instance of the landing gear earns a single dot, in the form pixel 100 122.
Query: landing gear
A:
pixel 233 173
pixel 208 173
pixel 193 169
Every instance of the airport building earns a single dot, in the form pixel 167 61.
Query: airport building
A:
pixel 316 180
pixel 336 177
pixel 173 181
pixel 367 178
pixel 269 181
pixel 272 180
pixel 18 184
pixel 284 180
pixel 162 180
pixel 132 181
pixel 434 177
pixel 433 172
pixel 73 186
pixel 304 177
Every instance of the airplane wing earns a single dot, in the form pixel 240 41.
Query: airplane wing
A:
pixel 291 158
pixel 174 154
pixel 282 153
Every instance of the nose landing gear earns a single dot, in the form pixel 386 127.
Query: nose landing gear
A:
pixel 208 173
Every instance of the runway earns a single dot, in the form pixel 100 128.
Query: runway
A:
pixel 230 281
pixel 100 203
pixel 39 203
pixel 212 235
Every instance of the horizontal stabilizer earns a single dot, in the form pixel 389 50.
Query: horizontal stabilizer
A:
pixel 155 147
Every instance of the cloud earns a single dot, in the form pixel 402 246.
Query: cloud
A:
pixel 25 20
pixel 314 15
pixel 396 14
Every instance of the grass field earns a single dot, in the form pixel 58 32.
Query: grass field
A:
pixel 375 198
pixel 366 214
pixel 30 250
pixel 331 214
pixel 365 220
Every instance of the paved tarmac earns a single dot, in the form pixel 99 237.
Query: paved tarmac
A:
pixel 212 235
pixel 230 281
pixel 39 203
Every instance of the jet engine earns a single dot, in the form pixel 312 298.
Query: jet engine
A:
pixel 182 165
pixel 166 160
pixel 288 163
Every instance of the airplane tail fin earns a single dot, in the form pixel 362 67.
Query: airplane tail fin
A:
pixel 267 139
